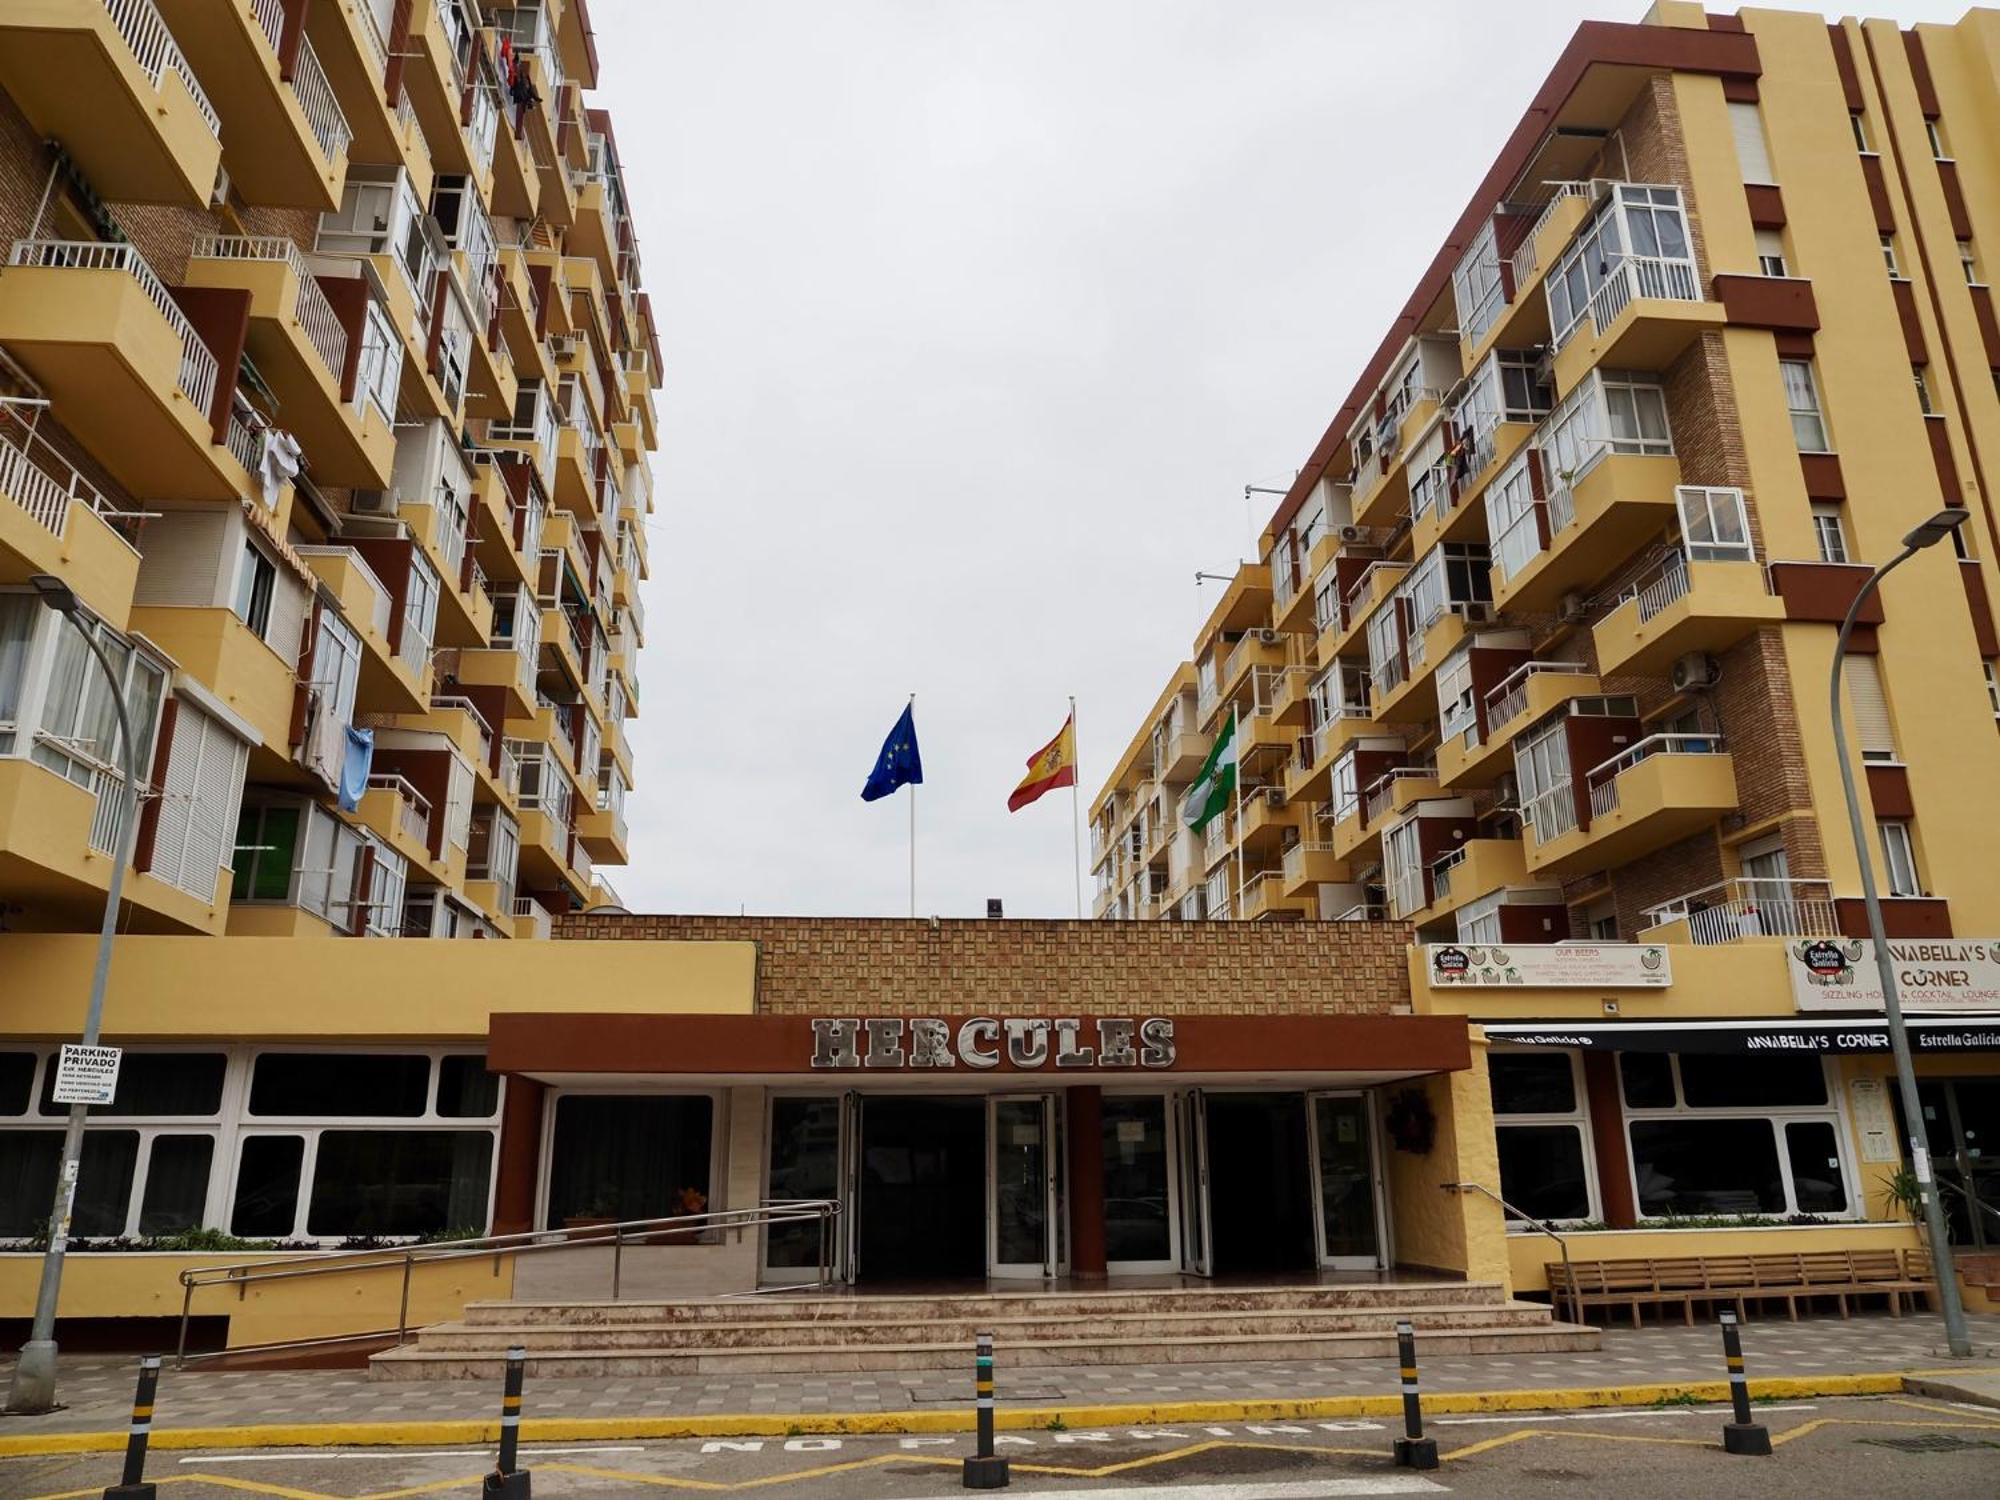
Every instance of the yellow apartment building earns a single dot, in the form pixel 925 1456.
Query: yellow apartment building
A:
pixel 1534 657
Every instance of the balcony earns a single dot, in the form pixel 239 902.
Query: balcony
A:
pixel 1525 696
pixel 1732 911
pixel 401 816
pixel 347 37
pixel 1559 212
pixel 1476 868
pixel 389 683
pixel 1361 599
pixel 106 78
pixel 1382 484
pixel 436 72
pixel 603 833
pixel 282 125
pixel 303 349
pixel 1311 864
pixel 1679 606
pixel 1642 315
pixel 1592 520
pixel 218 650
pixel 1661 790
pixel 124 364
pixel 1264 899
pixel 1414 698
pixel 53 520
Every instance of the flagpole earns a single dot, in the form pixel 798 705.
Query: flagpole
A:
pixel 913 832
pixel 1236 751
pixel 1075 809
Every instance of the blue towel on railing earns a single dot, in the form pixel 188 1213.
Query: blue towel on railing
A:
pixel 354 767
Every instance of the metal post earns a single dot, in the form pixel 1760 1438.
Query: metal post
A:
pixel 984 1471
pixel 507 1482
pixel 617 1260
pixel 1413 1449
pixel 33 1389
pixel 1958 1338
pixel 132 1483
pixel 1743 1436
pixel 403 1311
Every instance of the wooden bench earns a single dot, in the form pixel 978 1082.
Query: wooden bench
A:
pixel 1740 1281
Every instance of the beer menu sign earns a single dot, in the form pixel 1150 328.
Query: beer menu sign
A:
pixel 1597 966
pixel 1932 974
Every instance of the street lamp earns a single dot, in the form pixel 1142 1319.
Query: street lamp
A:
pixel 1929 534
pixel 34 1385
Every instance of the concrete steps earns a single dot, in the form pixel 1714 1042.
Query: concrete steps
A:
pixel 776 1334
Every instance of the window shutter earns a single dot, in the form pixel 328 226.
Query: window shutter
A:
pixel 1869 707
pixel 1751 154
pixel 196 833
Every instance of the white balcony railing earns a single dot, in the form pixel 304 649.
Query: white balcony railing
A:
pixel 1731 910
pixel 1441 874
pixel 528 909
pixel 1380 795
pixel 316 315
pixel 413 808
pixel 1362 911
pixel 1552 812
pixel 322 108
pixel 153 45
pixel 1632 277
pixel 44 487
pixel 1603 778
pixel 1526 263
pixel 197 374
pixel 1509 698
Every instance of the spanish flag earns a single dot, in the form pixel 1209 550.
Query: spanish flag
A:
pixel 1051 766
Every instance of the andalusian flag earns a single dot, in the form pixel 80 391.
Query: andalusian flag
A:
pixel 1215 788
pixel 1051 766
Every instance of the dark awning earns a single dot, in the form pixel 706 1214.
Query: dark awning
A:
pixel 1929 1034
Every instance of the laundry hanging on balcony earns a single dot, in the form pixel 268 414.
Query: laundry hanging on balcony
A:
pixel 354 767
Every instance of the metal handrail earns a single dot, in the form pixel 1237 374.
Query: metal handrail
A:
pixel 1569 1279
pixel 820 1211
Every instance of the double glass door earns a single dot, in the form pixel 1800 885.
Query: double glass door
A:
pixel 1021 1186
pixel 1962 1120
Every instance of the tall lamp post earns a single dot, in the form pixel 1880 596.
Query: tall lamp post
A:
pixel 1929 534
pixel 34 1384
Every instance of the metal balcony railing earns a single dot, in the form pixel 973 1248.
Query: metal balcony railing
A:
pixel 153 45
pixel 1509 698
pixel 197 374
pixel 1629 278
pixel 44 487
pixel 322 109
pixel 1603 778
pixel 413 808
pixel 316 315
pixel 1551 812
pixel 1526 262
pixel 1380 794
pixel 1731 910
pixel 1441 874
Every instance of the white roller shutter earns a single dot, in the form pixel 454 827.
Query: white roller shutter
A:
pixel 196 835
pixel 1869 708
pixel 1753 157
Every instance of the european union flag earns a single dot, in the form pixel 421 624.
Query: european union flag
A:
pixel 899 763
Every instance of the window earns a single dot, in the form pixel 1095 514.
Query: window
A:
pixel 399 1182
pixel 1599 920
pixel 1542 772
pixel 1477 290
pixel 1889 255
pixel 802 1161
pixel 1868 706
pixel 1968 261
pixel 256 576
pixel 1727 1133
pixel 1753 155
pixel 1899 858
pixel 1830 531
pixel 1403 868
pixel 629 1156
pixel 1634 220
pixel 79 721
pixel 1714 526
pixel 1860 128
pixel 1934 133
pixel 420 604
pixel 1920 377
pixel 198 803
pixel 1540 1127
pixel 1992 698
pixel 333 1084
pixel 1771 253
pixel 1802 400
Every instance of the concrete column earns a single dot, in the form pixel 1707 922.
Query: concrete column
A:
pixel 519 1161
pixel 1085 1143
pixel 1607 1139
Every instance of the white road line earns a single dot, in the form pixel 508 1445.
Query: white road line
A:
pixel 311 1455
pixel 1601 1416
pixel 1310 1489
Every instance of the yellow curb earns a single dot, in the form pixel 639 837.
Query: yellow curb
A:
pixel 803 1424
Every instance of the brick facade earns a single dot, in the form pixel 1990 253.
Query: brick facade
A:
pixel 878 966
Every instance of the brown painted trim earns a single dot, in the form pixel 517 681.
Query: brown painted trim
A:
pixel 1989 325
pixel 1767 204
pixel 1920 71
pixel 1795 346
pixel 1878 193
pixel 1902 916
pixel 1843 64
pixel 515 1171
pixel 1719 22
pixel 1595 43
pixel 1822 475
pixel 1607 1137
pixel 1085 1141
pixel 1954 199
pixel 521 1041
pixel 399 51
pixel 1889 791
pixel 1906 313
pixel 1820 592
pixel 1783 304
pixel 1977 600
pixel 1942 458
pixel 348 297
pixel 1739 90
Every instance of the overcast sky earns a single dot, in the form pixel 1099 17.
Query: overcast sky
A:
pixel 977 316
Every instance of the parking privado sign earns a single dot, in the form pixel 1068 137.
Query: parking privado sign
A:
pixel 86 1075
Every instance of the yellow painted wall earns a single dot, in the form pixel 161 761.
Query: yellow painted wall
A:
pixel 304 987
pixel 1436 1227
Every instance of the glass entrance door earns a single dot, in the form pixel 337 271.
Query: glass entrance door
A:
pixel 1021 1185
pixel 1962 1119
pixel 1140 1166
pixel 1197 1249
pixel 1345 1197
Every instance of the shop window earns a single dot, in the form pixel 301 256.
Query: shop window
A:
pixel 1813 1152
pixel 804 1163
pixel 1779 1080
pixel 17 1078
pixel 1539 1126
pixel 1532 1083
pixel 176 1195
pixel 340 1085
pixel 1688 1166
pixel 1648 1078
pixel 629 1156
pixel 155 1083
pixel 1137 1220
pixel 466 1091
pixel 266 1203
pixel 400 1182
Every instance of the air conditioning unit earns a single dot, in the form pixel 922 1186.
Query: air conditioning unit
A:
pixel 1477 612
pixel 1695 670
pixel 1571 608
pixel 1274 796
pixel 562 345
pixel 1352 533
pixel 218 193
pixel 1269 637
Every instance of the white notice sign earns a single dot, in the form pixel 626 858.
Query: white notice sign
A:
pixel 1596 966
pixel 86 1075
pixel 1872 1120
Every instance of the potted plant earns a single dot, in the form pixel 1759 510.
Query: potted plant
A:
pixel 688 1201
pixel 597 1212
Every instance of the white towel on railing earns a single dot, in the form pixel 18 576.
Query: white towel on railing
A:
pixel 278 464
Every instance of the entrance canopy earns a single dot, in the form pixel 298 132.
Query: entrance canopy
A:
pixel 934 1049
pixel 1861 1034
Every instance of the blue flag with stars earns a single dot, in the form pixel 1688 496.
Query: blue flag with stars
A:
pixel 899 764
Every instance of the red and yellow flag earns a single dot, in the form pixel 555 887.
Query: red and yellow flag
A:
pixel 1052 766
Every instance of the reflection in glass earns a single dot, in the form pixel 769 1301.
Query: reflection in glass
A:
pixel 1020 1172
pixel 804 1163
pixel 1136 1168
pixel 1346 1176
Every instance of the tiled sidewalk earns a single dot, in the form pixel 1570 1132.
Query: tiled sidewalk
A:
pixel 98 1388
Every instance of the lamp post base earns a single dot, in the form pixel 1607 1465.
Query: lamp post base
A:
pixel 1750 1439
pixel 34 1387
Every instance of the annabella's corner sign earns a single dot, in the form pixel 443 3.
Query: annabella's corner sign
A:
pixel 1029 1043
pixel 1935 974
pixel 1597 966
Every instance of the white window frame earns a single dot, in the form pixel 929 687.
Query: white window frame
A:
pixel 1899 858
pixel 1830 532
pixel 1715 524
pixel 1771 253
pixel 1578 1116
pixel 1802 402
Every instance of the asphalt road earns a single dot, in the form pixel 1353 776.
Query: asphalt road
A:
pixel 1881 1448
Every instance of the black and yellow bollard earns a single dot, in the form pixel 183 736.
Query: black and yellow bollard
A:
pixel 132 1485
pixel 984 1470
pixel 1742 1435
pixel 1413 1449
pixel 507 1482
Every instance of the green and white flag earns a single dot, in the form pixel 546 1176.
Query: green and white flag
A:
pixel 1215 788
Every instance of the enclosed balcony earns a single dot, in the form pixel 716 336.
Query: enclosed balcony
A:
pixel 282 125
pixel 1475 869
pixel 1657 792
pixel 1525 696
pixel 53 520
pixel 1626 292
pixel 1734 911
pixel 127 364
pixel 106 78
pixel 389 683
pixel 1704 595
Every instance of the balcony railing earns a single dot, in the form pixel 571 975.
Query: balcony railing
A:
pixel 46 487
pixel 1603 779
pixel 316 315
pixel 153 45
pixel 1660 587
pixel 413 808
pixel 1362 911
pixel 1381 792
pixel 1296 856
pixel 197 374
pixel 316 98
pixel 1526 262
pixel 1441 874
pixel 1731 910
pixel 1509 699
pixel 1635 276
pixel 1551 812
pixel 537 915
